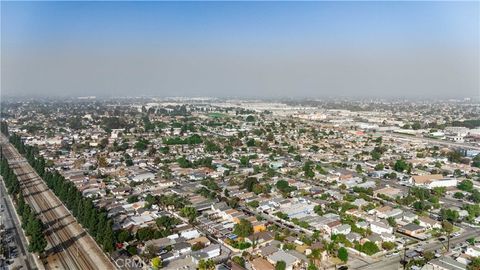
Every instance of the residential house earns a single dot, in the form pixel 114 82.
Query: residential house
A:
pixel 380 227
pixel 409 217
pixel 412 229
pixel 290 260
pixel 209 252
pixel 473 251
pixel 390 192
pixel 432 181
pixel 429 223
pixel 261 238
pixel 342 229
pixel 261 264
pixel 446 263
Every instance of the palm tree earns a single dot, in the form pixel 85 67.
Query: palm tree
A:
pixel 206 264
pixel 316 256
pixel 255 242
pixel 447 227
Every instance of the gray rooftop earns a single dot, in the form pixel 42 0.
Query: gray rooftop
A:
pixel 448 263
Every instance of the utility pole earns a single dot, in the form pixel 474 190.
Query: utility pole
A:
pixel 448 242
pixel 448 237
pixel 403 261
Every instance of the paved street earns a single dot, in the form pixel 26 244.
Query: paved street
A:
pixel 430 245
pixel 24 260
pixel 70 245
pixel 428 140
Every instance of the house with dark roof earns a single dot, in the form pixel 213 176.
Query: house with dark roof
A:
pixel 412 229
pixel 261 238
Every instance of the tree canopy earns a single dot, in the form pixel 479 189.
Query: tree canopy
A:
pixel 243 229
pixel 342 254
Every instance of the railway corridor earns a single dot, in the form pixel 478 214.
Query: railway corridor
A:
pixel 69 245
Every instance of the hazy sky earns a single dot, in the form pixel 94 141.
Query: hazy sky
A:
pixel 250 49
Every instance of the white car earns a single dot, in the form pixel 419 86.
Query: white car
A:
pixel 391 254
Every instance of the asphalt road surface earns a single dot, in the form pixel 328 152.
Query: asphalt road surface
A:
pixel 12 224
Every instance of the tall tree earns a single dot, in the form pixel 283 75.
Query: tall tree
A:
pixel 243 229
pixel 342 254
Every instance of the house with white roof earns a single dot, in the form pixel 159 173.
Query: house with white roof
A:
pixel 290 260
pixel 380 227
pixel 432 181
pixel 473 251
pixel 342 229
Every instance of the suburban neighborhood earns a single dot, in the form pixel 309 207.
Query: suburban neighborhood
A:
pixel 245 184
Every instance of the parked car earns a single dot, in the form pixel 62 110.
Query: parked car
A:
pixel 392 254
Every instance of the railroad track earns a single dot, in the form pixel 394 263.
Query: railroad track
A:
pixel 56 232
pixel 71 247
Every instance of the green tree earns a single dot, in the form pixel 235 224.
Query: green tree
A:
pixel 280 265
pixel 132 250
pixel 474 264
pixel 375 155
pixel 108 237
pixel 37 244
pixel 307 169
pixel 379 167
pixel 156 263
pixel 249 183
pixel 251 142
pixel 439 191
pixel 455 156
pixel 37 240
pixel 228 149
pixel 401 165
pixel 244 161
pixel 197 246
pixel 465 185
pixel 129 162
pixel 388 245
pixel 141 144
pixel 369 248
pixel 166 222
pixel 316 255
pixel 342 254
pixel 475 196
pixel 190 213
pixel 476 161
pixel 449 214
pixel 428 255
pixel 145 234
pixel 283 186
pixel 239 260
pixel 123 236
pixel 253 204
pixel 392 222
pixel 416 125
pixel 243 229
pixel 4 128
pixel 447 227
pixel 132 199
pixel 206 264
